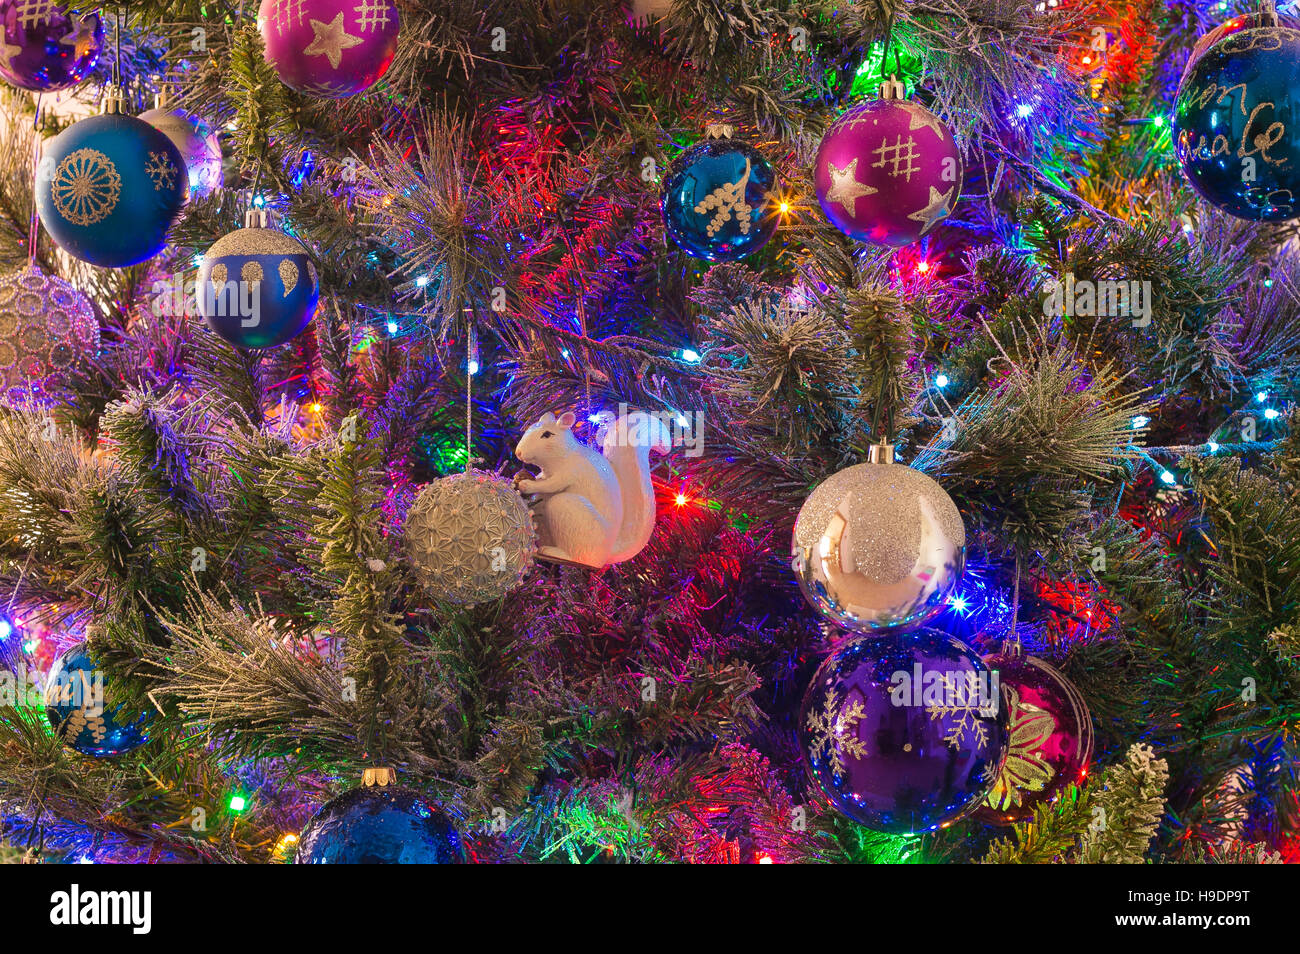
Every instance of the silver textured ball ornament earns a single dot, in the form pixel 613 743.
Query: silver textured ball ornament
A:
pixel 47 328
pixel 470 537
pixel 878 546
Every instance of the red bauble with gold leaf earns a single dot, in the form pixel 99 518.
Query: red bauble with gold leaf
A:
pixel 1051 738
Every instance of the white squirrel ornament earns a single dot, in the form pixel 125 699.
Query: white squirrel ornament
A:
pixel 592 508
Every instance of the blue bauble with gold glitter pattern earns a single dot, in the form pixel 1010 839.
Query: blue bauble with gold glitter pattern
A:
pixel 108 188
pixel 80 704
pixel 1237 119
pixel 257 286
pixel 719 200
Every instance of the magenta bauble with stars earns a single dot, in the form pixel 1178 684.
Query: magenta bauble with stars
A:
pixel 888 171
pixel 329 48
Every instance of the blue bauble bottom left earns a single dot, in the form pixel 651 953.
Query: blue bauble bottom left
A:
pixel 386 825
pixel 80 706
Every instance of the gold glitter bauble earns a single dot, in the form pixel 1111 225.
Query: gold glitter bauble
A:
pixel 878 546
pixel 47 327
pixel 470 537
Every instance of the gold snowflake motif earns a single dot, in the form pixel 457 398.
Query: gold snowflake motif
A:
pixel 288 275
pixel 1025 770
pixel 965 718
pixel 161 171
pixel 86 187
pixel 726 200
pixel 834 732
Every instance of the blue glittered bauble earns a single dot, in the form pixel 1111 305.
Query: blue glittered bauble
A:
pixel 904 732
pixel 79 704
pixel 257 288
pixel 1237 120
pixel 108 188
pixel 719 200
pixel 380 826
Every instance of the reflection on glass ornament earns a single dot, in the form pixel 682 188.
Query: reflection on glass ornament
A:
pixel 329 48
pixel 47 328
pixel 380 825
pixel 719 199
pixel 198 144
pixel 81 709
pixel 888 170
pixel 904 732
pixel 878 546
pixel 1236 119
pixel 109 187
pixel 257 286
pixel 45 47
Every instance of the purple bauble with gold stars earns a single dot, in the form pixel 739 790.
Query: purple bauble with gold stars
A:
pixel 45 46
pixel 904 732
pixel 888 171
pixel 329 48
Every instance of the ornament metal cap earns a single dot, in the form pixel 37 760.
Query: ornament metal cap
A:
pixel 257 218
pixel 892 88
pixel 719 131
pixel 114 101
pixel 881 453
pixel 380 775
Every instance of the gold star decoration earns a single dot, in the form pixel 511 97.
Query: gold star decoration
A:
pixel 331 40
pixel 81 36
pixel 918 117
pixel 7 51
pixel 845 187
pixel 939 208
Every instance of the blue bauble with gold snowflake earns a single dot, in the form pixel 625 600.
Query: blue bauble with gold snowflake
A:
pixel 720 200
pixel 79 702
pixel 257 286
pixel 109 187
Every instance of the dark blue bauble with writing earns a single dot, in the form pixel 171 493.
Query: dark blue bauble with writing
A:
pixel 108 188
pixel 80 706
pixel 903 732
pixel 377 825
pixel 1237 121
pixel 719 200
pixel 257 288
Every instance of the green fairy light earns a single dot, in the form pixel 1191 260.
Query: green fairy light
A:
pixel 880 65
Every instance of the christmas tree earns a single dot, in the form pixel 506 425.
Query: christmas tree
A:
pixel 406 424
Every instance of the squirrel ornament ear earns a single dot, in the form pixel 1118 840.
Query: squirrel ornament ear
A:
pixel 592 507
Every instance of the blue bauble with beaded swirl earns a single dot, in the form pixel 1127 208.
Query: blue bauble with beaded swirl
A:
pixel 719 200
pixel 376 825
pixel 108 188
pixel 79 702
pixel 1237 119
pixel 257 287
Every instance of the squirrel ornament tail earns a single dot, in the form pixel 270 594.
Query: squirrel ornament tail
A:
pixel 592 508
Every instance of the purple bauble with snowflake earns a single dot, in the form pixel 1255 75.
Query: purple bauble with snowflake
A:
pixel 888 171
pixel 46 46
pixel 904 732
pixel 329 48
